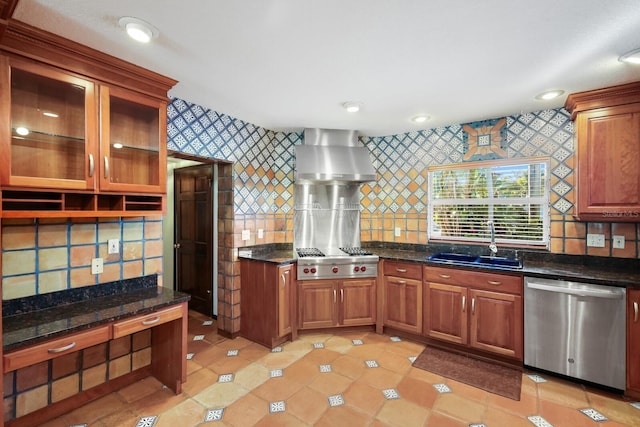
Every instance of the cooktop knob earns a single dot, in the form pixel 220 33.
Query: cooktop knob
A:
pixel 363 268
pixel 356 268
pixel 313 270
pixel 306 271
pixel 334 269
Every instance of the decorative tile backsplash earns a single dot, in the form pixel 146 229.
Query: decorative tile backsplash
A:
pixel 264 163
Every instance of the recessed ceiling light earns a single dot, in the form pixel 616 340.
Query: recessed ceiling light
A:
pixel 632 57
pixel 352 107
pixel 138 29
pixel 421 118
pixel 550 94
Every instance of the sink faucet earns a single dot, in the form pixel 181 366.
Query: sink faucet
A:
pixel 492 247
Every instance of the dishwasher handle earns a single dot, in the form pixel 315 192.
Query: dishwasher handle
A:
pixel 595 293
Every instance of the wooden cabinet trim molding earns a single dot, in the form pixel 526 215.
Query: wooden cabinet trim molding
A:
pixel 606 97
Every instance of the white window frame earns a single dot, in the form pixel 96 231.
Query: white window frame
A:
pixel 491 202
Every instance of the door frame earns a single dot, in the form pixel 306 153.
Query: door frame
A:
pixel 176 160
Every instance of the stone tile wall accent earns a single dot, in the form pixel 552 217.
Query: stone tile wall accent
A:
pixel 48 255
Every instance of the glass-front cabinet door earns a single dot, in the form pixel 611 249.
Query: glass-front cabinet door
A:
pixel 52 126
pixel 133 135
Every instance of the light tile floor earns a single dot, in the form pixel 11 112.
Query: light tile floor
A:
pixel 332 380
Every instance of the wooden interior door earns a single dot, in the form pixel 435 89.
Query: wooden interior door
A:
pixel 194 235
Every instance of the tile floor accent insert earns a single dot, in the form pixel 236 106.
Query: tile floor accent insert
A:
pixel 442 388
pixel 147 421
pixel 536 378
pixel 325 368
pixel 278 406
pixel 357 342
pixel 198 337
pixel 477 425
pixel 593 414
pixel 207 323
pixel 79 425
pixel 336 400
pixel 318 345
pixel 275 373
pixel 225 378
pixel 190 356
pixel 371 363
pixel 538 421
pixel 232 353
pixel 635 404
pixel 390 393
pixel 395 339
pixel 412 358
pixel 214 414
pixel 276 349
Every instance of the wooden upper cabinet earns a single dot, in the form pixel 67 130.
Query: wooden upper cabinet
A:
pixel 52 123
pixel 133 152
pixel 608 153
pixel 82 133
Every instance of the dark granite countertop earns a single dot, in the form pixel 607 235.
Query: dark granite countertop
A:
pixel 34 319
pixel 591 269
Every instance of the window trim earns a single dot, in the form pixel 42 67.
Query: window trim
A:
pixel 546 223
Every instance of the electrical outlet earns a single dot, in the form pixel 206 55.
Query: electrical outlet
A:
pixel 113 246
pixel 618 242
pixel 595 240
pixel 97 266
pixel 245 235
pixel 398 232
pixel 260 233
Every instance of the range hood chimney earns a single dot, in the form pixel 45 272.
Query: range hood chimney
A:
pixel 328 155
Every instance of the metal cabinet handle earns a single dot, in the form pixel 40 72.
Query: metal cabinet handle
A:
pixel 342 296
pixel 473 306
pixel 402 282
pixel 106 167
pixel 63 348
pixel 464 303
pixel 284 279
pixel 151 321
pixel 177 245
pixel 444 276
pixel 92 165
pixel 635 312
pixel 494 282
pixel 401 270
pixel 335 299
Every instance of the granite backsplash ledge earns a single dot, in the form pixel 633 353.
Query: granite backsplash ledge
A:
pixel 33 303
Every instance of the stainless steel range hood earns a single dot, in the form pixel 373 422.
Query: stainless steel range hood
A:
pixel 328 155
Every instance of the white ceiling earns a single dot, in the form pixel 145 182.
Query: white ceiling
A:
pixel 290 64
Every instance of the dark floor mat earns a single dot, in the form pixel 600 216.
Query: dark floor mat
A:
pixel 494 378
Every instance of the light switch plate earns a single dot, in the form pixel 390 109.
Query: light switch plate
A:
pixel 97 266
pixel 245 235
pixel 113 246
pixel 618 242
pixel 260 233
pixel 595 240
pixel 398 231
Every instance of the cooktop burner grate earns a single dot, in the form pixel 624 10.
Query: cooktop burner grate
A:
pixel 355 251
pixel 308 252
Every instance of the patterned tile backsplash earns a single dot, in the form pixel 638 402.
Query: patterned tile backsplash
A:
pixel 264 164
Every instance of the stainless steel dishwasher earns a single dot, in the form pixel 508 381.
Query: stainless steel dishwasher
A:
pixel 576 329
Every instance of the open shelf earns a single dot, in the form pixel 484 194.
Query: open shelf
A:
pixel 26 203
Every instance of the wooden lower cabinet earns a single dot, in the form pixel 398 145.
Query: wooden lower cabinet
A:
pixel 403 304
pixel 330 303
pixel 633 343
pixel 402 293
pixel 267 302
pixel 482 311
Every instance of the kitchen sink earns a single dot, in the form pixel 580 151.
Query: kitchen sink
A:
pixel 473 260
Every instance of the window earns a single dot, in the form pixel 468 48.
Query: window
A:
pixel 513 194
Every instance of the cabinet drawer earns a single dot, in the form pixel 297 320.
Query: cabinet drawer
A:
pixel 53 348
pixel 476 279
pixel 407 270
pixel 140 323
